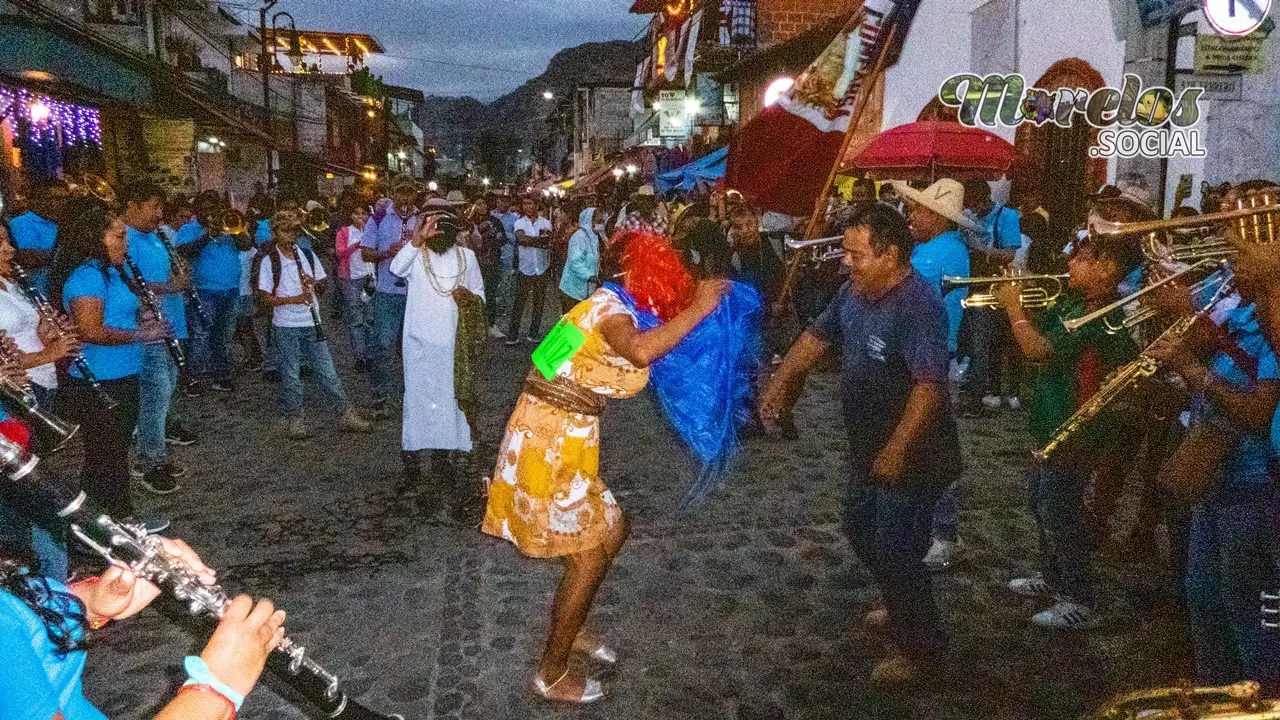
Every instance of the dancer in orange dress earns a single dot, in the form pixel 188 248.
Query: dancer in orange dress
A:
pixel 546 496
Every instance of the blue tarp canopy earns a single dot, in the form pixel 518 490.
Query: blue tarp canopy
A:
pixel 701 172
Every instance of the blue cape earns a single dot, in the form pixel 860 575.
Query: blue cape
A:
pixel 705 385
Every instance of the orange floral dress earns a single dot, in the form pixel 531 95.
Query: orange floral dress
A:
pixel 546 496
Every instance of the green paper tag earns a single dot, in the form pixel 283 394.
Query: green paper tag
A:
pixel 557 347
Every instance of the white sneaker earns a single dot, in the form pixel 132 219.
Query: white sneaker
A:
pixel 1066 615
pixel 1032 587
pixel 494 332
pixel 1013 402
pixel 942 554
pixel 991 401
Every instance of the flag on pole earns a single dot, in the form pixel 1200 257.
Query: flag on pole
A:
pixel 781 159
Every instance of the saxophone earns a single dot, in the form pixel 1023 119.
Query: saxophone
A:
pixel 1122 379
pixel 1239 701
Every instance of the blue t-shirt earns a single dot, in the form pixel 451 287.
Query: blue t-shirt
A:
pixel 945 255
pixel 29 231
pixel 263 233
pixel 37 683
pixel 887 346
pixel 1007 234
pixel 385 234
pixel 120 311
pixel 1248 458
pixel 148 251
pixel 217 267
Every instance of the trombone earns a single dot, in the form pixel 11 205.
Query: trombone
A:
pixel 1196 237
pixel 90 185
pixel 820 250
pixel 1039 292
pixel 1076 323
pixel 230 222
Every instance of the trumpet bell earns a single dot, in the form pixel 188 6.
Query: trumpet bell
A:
pixel 230 222
pixel 316 221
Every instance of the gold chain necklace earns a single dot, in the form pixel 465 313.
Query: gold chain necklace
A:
pixel 431 273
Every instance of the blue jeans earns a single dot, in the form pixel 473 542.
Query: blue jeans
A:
pixel 156 385
pixel 1230 561
pixel 294 346
pixel 211 347
pixel 888 529
pixel 388 324
pixel 1056 494
pixel 358 317
pixel 49 547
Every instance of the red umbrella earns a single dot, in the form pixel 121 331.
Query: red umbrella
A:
pixel 930 149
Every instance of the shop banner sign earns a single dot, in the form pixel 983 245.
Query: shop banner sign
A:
pixel 1216 87
pixel 673 122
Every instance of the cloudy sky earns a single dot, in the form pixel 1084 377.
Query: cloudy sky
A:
pixel 505 41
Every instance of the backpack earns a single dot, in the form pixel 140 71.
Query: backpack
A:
pixel 270 252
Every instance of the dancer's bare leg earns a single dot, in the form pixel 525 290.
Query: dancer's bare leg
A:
pixel 583 573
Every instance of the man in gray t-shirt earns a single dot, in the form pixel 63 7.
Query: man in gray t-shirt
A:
pixel 891 332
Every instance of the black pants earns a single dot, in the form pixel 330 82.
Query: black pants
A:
pixel 107 433
pixel 528 287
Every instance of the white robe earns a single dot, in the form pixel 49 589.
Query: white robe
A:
pixel 432 419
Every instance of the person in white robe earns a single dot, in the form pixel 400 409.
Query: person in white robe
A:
pixel 434 268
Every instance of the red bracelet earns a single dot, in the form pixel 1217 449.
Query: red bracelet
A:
pixel 212 691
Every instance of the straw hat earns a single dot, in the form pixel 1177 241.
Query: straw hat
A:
pixel 945 197
pixel 646 190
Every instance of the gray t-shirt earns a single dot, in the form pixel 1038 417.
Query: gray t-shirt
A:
pixel 887 346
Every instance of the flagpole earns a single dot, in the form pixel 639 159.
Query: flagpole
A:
pixel 811 228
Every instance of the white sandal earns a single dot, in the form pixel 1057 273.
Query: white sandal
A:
pixel 592 690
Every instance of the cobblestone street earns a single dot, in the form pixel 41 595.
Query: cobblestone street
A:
pixel 746 608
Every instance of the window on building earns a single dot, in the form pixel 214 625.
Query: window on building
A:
pixel 730 104
pixel 738 22
pixel 127 12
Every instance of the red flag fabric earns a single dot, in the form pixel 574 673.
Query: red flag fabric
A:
pixel 782 158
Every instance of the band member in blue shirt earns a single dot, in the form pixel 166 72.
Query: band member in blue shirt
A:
pixel 35 232
pixel 215 260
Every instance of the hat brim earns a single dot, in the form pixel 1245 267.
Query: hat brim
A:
pixel 918 197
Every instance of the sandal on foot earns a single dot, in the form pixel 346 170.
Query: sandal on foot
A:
pixel 595 649
pixel 592 690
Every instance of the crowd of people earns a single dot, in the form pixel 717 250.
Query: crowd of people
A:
pixel 154 297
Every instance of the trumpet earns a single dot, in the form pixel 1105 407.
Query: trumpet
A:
pixel 820 250
pixel 1075 324
pixel 1119 382
pixel 1039 291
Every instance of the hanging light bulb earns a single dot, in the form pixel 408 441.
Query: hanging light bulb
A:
pixel 39 112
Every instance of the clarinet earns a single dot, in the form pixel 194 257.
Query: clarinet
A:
pixel 47 312
pixel 152 304
pixel 43 498
pixel 311 299
pixel 193 297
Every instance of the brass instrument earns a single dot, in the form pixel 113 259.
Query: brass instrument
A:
pixel 315 222
pixel 1123 378
pixel 1200 265
pixel 90 185
pixel 230 222
pixel 16 397
pixel 820 250
pixel 1238 701
pixel 1038 291
pixel 1197 237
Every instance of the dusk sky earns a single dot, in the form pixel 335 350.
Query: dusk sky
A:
pixel 511 39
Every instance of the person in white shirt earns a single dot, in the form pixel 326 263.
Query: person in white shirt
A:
pixel 290 280
pixel 39 342
pixel 533 237
pixel 246 333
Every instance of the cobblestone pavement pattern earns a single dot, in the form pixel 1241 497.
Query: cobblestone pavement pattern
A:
pixel 745 609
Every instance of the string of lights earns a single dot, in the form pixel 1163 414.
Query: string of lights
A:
pixel 49 120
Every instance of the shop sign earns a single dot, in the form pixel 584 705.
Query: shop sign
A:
pixel 673 122
pixel 1221 55
pixel 1216 87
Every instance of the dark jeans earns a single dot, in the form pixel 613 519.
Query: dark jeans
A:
pixel 388 328
pixel 889 531
pixel 491 273
pixel 995 365
pixel 105 474
pixel 1056 492
pixel 211 346
pixel 1231 560
pixel 529 288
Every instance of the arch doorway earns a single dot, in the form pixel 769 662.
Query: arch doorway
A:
pixel 1053 162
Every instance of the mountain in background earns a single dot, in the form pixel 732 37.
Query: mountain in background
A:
pixel 464 128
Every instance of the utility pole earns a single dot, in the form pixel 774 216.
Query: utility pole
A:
pixel 264 64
